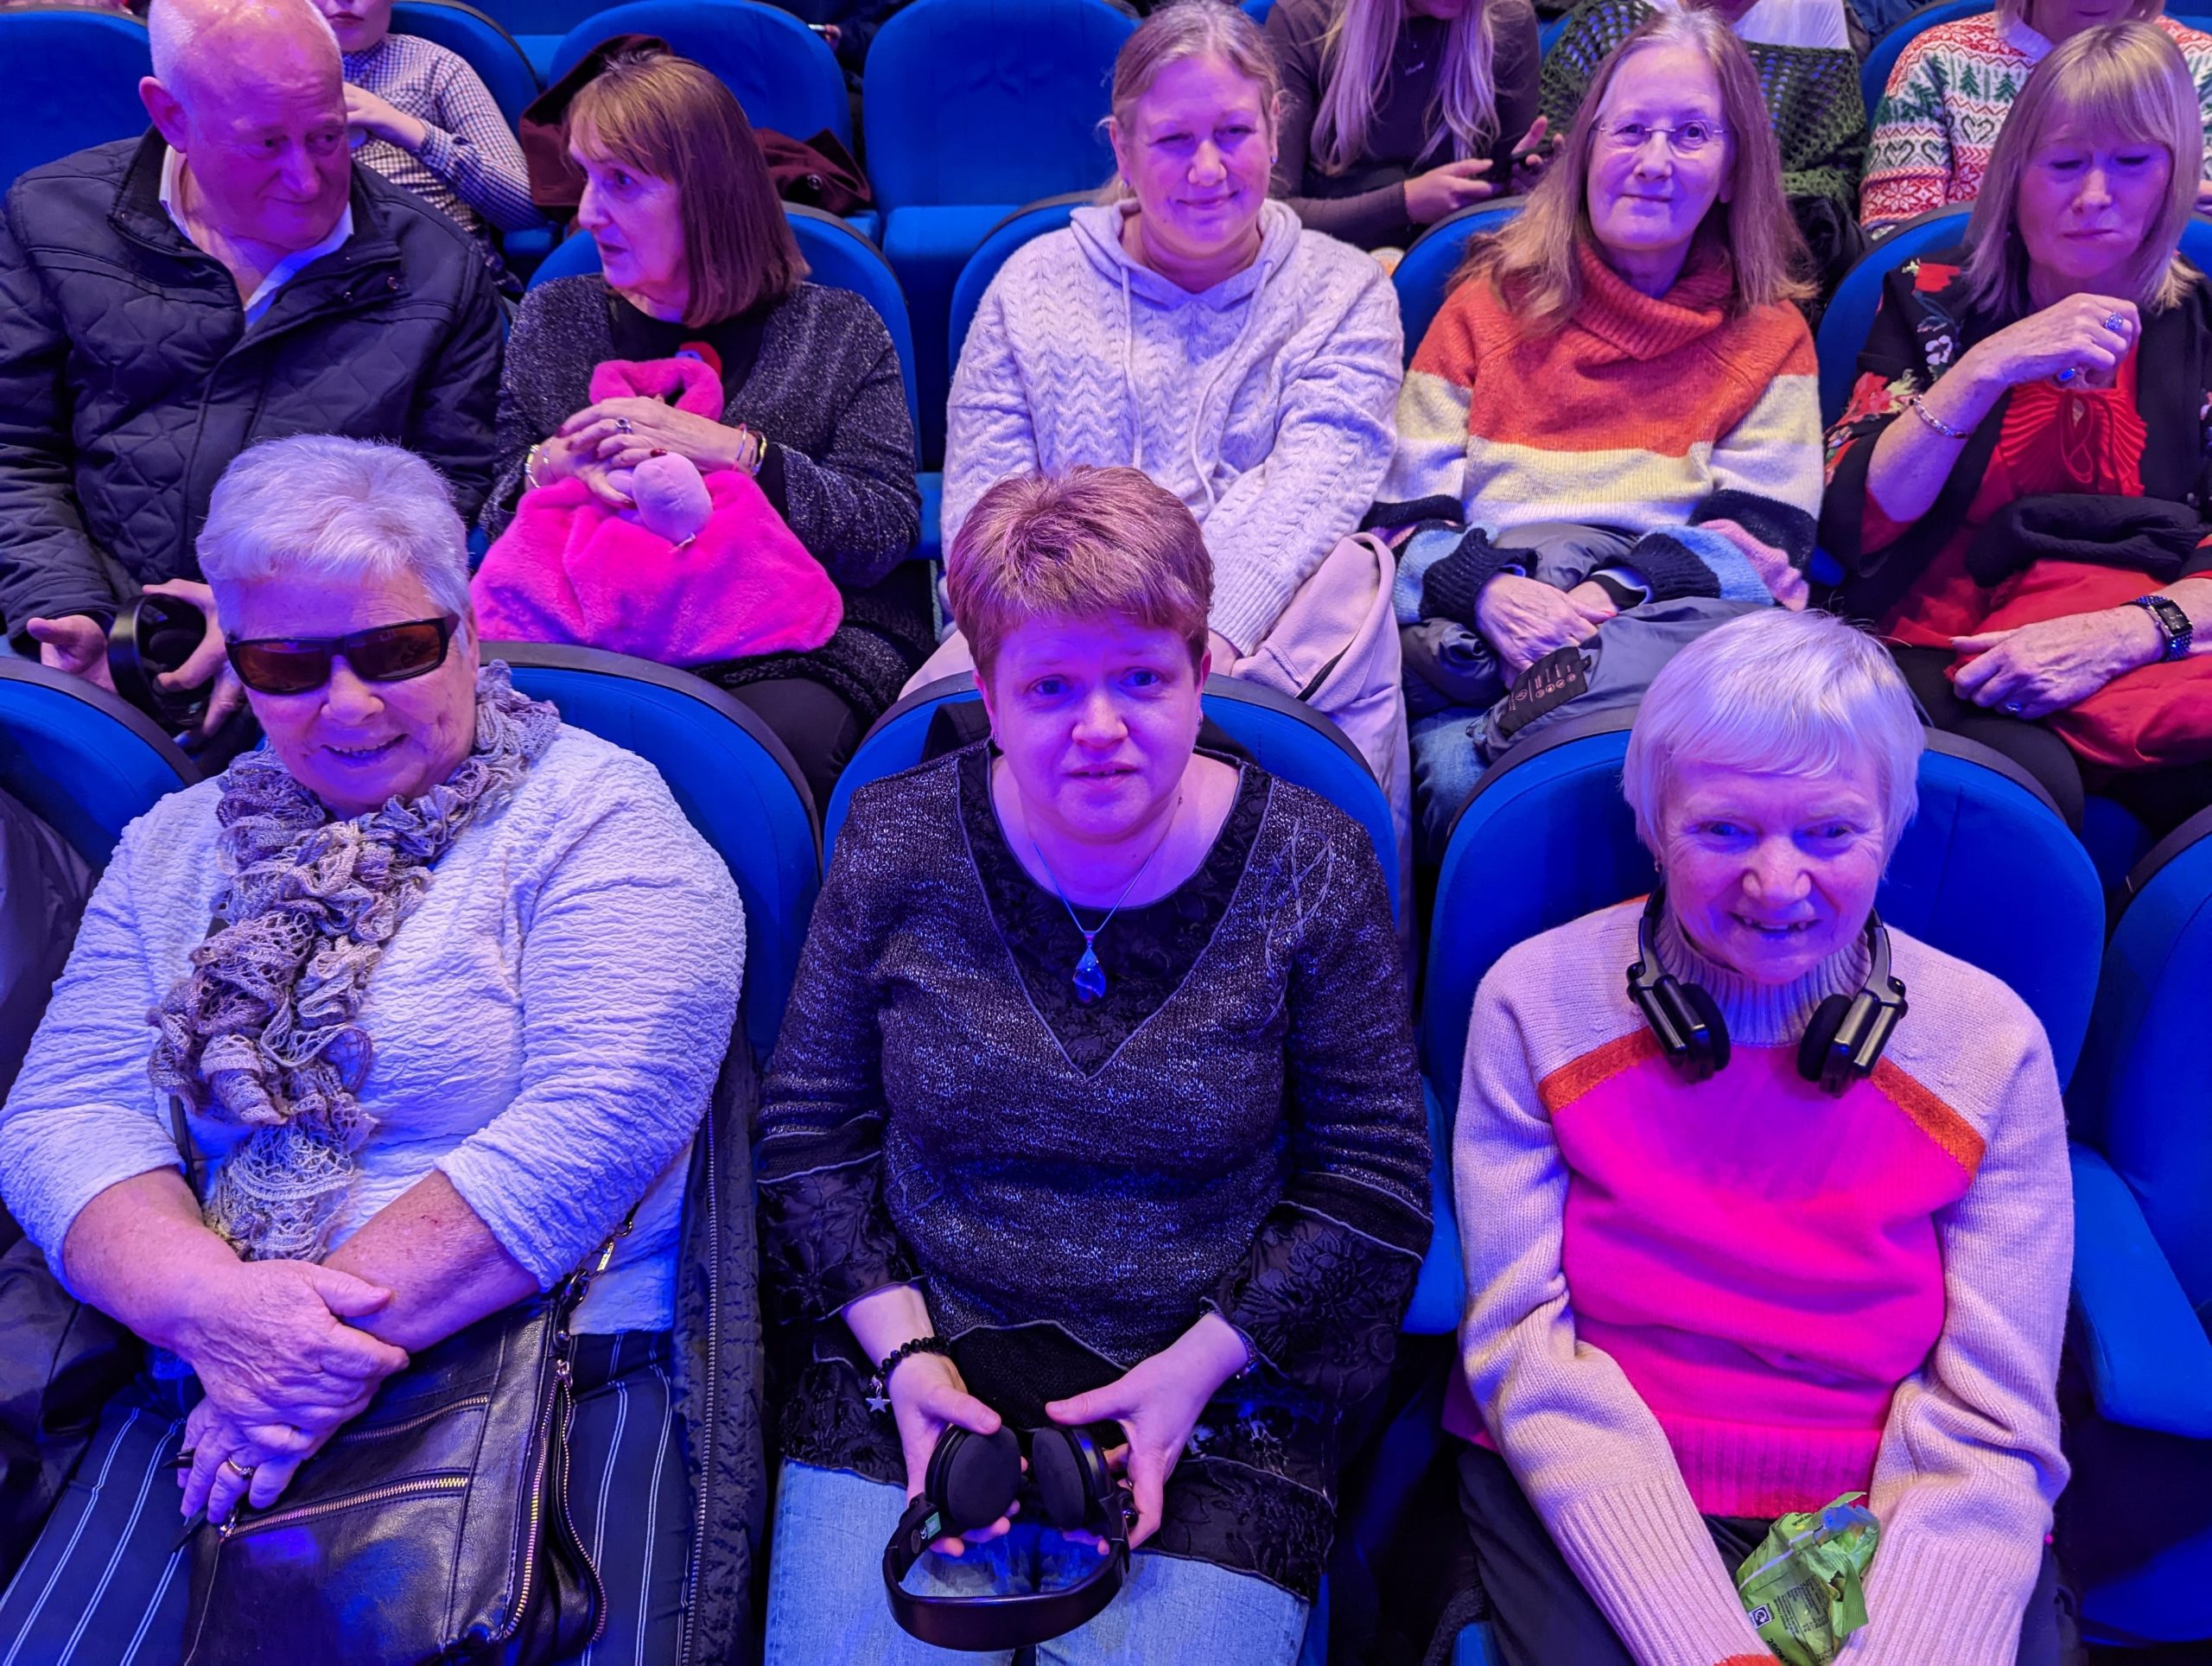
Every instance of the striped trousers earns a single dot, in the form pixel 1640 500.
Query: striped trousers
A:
pixel 108 1585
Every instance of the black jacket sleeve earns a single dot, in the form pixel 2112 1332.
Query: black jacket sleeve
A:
pixel 48 565
pixel 453 420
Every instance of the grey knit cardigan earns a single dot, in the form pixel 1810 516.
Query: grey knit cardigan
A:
pixel 827 394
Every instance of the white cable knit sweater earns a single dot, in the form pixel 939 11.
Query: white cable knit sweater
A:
pixel 548 1024
pixel 1264 403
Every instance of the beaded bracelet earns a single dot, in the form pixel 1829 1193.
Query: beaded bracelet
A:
pixel 879 1386
pixel 1920 410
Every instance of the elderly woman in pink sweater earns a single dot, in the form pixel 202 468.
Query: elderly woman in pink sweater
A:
pixel 1743 1233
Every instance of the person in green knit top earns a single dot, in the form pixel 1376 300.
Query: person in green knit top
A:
pixel 1809 77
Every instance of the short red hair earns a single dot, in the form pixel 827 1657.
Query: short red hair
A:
pixel 1091 543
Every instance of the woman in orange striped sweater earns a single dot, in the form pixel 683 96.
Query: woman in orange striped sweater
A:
pixel 1610 438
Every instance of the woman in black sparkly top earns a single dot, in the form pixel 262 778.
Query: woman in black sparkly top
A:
pixel 1098 1080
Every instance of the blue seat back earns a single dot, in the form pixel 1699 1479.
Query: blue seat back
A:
pixel 2142 1096
pixel 482 41
pixel 733 778
pixel 1850 315
pixel 1284 737
pixel 81 759
pixel 1009 234
pixel 836 256
pixel 1424 275
pixel 72 76
pixel 990 100
pixel 783 72
pixel 1988 872
pixel 1882 58
pixel 1257 10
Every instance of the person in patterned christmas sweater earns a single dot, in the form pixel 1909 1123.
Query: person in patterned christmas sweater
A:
pixel 1949 93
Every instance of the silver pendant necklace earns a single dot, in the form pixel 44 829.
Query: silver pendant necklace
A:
pixel 1090 975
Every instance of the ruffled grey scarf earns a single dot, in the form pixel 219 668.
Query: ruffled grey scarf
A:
pixel 262 1030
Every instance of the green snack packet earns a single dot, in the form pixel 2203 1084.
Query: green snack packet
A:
pixel 1803 1586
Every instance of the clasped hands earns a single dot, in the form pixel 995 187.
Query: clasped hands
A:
pixel 283 1369
pixel 622 433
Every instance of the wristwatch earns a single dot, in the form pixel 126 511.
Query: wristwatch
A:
pixel 2173 624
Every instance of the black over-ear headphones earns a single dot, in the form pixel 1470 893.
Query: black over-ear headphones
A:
pixel 972 1480
pixel 1841 1045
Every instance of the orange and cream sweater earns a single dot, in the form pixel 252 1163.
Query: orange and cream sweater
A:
pixel 1743 1296
pixel 1639 413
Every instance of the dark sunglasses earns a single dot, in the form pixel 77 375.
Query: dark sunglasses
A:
pixel 389 653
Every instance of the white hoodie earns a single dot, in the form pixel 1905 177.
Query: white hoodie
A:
pixel 1264 403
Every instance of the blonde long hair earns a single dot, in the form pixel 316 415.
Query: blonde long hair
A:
pixel 1531 260
pixel 2126 79
pixel 1355 56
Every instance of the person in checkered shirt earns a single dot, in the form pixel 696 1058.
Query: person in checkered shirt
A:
pixel 423 119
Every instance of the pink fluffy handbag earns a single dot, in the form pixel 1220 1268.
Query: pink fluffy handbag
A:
pixel 569 569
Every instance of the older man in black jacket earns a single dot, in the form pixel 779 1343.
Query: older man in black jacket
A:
pixel 231 276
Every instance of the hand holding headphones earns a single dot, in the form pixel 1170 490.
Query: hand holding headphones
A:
pixel 1158 1402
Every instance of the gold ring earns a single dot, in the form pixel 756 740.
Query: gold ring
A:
pixel 244 1471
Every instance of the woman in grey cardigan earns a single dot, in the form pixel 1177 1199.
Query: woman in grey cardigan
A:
pixel 433 1048
pixel 697 256
pixel 1095 1102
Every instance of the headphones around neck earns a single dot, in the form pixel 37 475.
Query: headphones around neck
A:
pixel 972 1480
pixel 1841 1045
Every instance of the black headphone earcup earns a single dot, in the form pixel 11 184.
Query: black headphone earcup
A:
pixel 1819 1035
pixel 1069 1468
pixel 1708 1014
pixel 974 1478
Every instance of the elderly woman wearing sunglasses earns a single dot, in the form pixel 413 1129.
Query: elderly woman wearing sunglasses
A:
pixel 434 1049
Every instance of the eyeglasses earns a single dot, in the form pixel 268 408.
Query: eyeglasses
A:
pixel 387 654
pixel 1686 140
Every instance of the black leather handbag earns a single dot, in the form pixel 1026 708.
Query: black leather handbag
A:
pixel 433 1528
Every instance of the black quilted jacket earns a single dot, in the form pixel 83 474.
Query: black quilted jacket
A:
pixel 128 379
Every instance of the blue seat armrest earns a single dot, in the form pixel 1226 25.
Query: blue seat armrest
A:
pixel 2148 1359
pixel 1440 1293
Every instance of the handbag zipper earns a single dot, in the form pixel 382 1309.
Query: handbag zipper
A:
pixel 542 1441
pixel 352 1500
pixel 470 1403
pixel 596 1593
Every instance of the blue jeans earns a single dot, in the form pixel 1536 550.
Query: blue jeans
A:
pixel 826 1602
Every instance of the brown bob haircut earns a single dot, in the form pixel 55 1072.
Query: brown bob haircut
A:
pixel 658 114
pixel 1091 543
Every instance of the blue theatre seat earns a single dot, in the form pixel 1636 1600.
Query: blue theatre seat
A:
pixel 781 72
pixel 72 76
pixel 733 778
pixel 837 256
pixel 1285 737
pixel 2138 1516
pixel 480 40
pixel 972 108
pixel 86 763
pixel 1424 276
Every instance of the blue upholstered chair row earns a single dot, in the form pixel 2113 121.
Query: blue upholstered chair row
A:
pixel 1988 872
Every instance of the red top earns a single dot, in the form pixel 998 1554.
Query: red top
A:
pixel 2053 440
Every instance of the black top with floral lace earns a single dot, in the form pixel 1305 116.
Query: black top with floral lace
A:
pixel 1236 1126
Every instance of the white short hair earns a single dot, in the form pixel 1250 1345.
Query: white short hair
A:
pixel 1777 693
pixel 174 29
pixel 321 506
